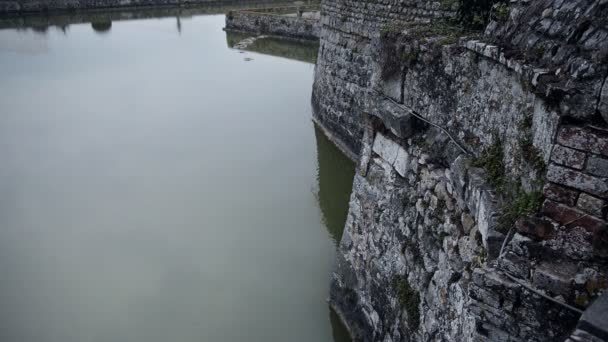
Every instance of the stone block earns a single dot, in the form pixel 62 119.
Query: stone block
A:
pixel 595 319
pixel 535 227
pixel 583 139
pixel 568 157
pixel 392 87
pixel 385 148
pixel 394 117
pixel 578 180
pixel 402 162
pixel 487 219
pixel 393 153
pixel 476 183
pixel 467 222
pixel 572 217
pixel 597 166
pixel 459 178
pixel 592 205
pixel 515 265
pixel 561 194
pixel 555 278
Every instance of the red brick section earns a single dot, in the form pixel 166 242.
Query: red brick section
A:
pixel 586 139
pixel 561 194
pixel 571 217
pixel 576 191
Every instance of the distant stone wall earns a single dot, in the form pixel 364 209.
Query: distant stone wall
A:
pixel 343 71
pixel 21 7
pixel 262 22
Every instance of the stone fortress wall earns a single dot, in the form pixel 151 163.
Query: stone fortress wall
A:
pixel 299 22
pixel 440 242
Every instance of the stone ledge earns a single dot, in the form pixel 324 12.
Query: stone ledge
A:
pixel 394 118
pixel 528 72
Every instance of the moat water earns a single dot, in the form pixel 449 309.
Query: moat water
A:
pixel 157 185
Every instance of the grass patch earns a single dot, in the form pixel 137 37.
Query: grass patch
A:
pixel 532 155
pixel 521 204
pixel 491 160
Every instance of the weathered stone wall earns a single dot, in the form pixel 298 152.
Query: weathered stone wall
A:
pixel 566 41
pixel 21 7
pixel 273 24
pixel 418 216
pixel 426 253
pixel 407 229
pixel 343 71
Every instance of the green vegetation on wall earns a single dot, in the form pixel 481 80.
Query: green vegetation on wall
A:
pixel 409 299
pixel 518 202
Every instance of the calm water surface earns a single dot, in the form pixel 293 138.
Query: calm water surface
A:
pixel 156 186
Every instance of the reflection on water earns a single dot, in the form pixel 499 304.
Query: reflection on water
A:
pixel 102 26
pixel 153 190
pixel 335 177
pixel 41 21
pixel 300 50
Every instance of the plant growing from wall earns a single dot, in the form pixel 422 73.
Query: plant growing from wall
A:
pixel 491 160
pixel 532 155
pixel 520 204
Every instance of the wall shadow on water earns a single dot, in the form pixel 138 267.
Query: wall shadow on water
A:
pixel 299 50
pixel 339 331
pixel 335 173
pixel 335 178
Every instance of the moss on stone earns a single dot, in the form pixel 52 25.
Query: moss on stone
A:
pixel 409 299
pixel 501 12
pixel 447 5
pixel 441 236
pixel 526 123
